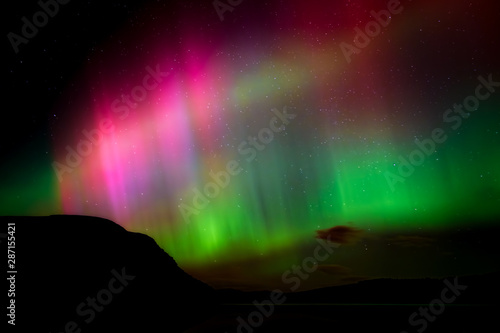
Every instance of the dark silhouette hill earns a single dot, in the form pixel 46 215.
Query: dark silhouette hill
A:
pixel 63 262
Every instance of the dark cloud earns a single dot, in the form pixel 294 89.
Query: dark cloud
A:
pixel 334 269
pixel 411 241
pixel 341 234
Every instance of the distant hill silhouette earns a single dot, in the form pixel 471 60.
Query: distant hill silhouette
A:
pixel 88 273
pixel 379 305
pixel 386 291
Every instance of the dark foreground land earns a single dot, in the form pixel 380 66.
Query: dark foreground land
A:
pixel 85 274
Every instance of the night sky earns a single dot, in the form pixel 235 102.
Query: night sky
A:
pixel 238 136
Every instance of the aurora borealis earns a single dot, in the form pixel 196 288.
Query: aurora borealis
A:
pixel 173 98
